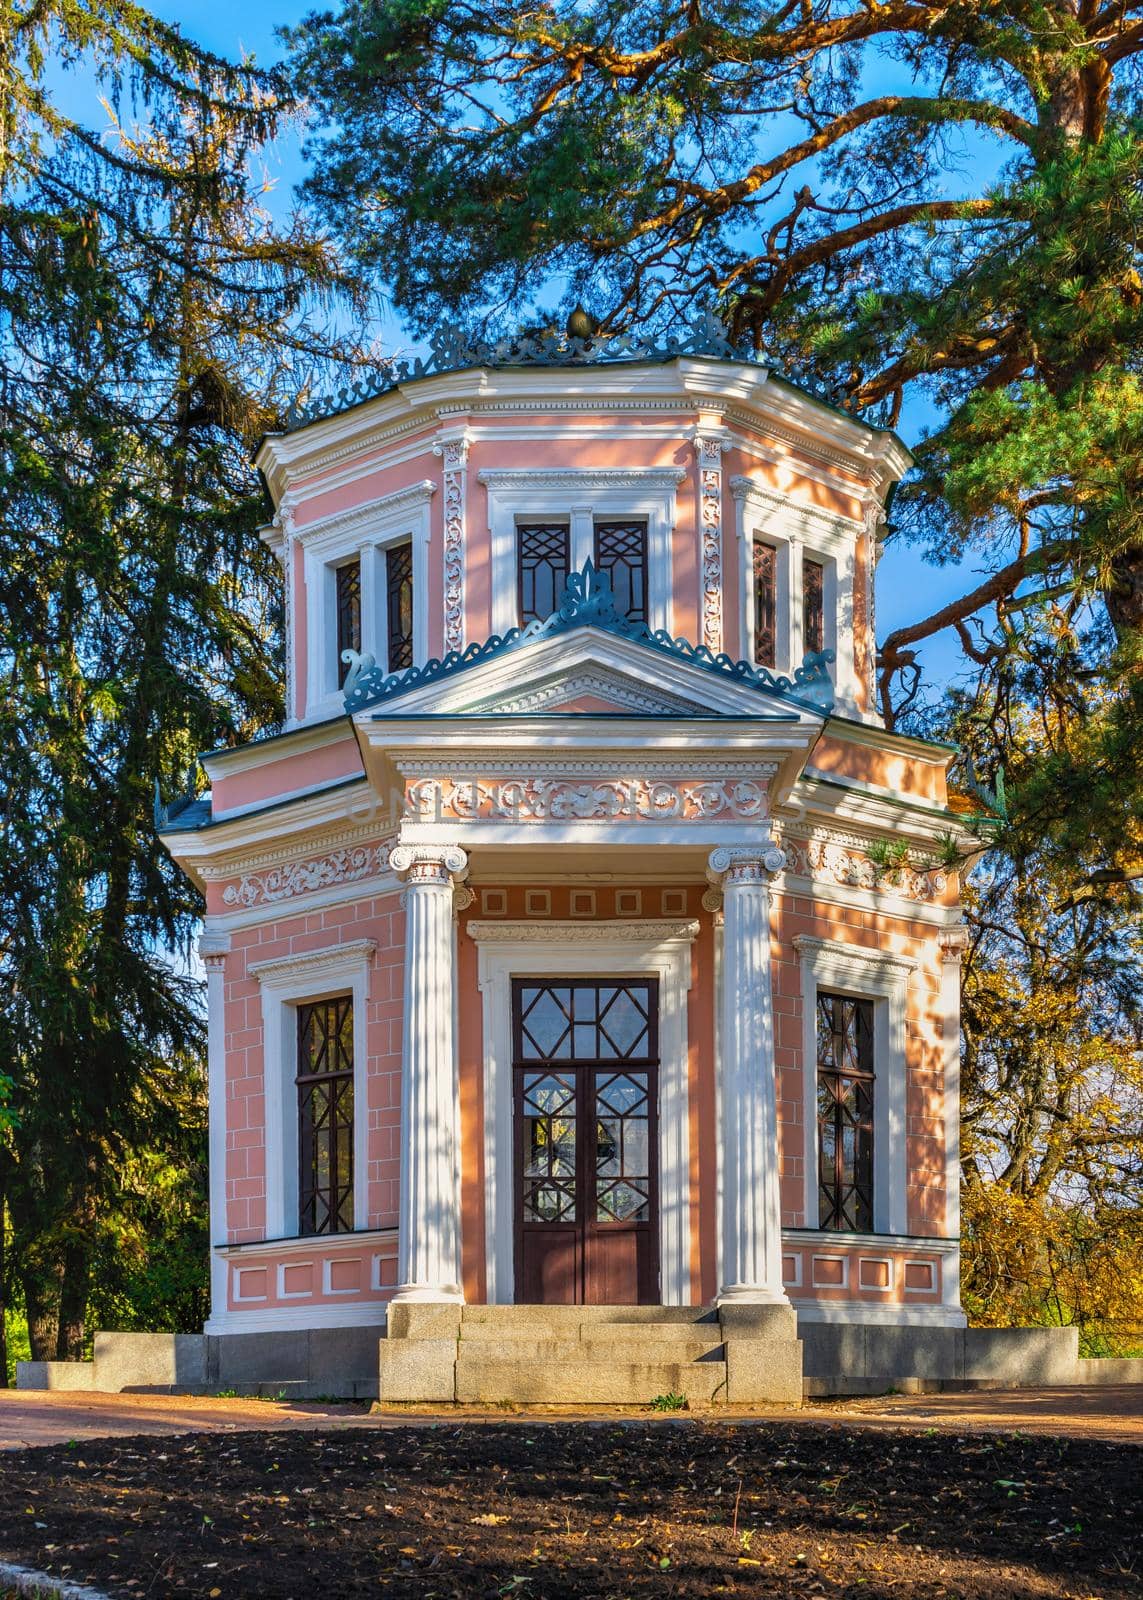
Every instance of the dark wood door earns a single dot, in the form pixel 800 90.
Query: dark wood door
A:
pixel 585 1070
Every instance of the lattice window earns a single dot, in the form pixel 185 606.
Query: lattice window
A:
pixel 399 603
pixel 621 552
pixel 585 1021
pixel 550 1121
pixel 348 581
pixel 542 566
pixel 622 1147
pixel 765 603
pixel 325 1116
pixel 813 605
pixel 845 1113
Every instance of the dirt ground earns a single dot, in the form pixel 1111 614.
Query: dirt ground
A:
pixel 38 1418
pixel 605 1509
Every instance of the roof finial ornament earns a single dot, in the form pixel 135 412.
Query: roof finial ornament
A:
pixel 581 324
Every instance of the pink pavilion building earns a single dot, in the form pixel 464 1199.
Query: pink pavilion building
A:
pixel 582 954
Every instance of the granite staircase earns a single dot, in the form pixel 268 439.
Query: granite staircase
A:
pixel 591 1355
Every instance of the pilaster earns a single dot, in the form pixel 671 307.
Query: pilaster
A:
pixel 953 943
pixel 751 1233
pixel 428 1237
pixel 453 447
pixel 213 949
pixel 710 442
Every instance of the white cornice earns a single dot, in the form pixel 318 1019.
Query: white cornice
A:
pixel 629 931
pixel 831 526
pixel 868 733
pixel 587 478
pixel 342 524
pixel 686 381
pixel 831 953
pixel 281 747
pixel 314 964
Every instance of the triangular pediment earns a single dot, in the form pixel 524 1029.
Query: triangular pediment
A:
pixel 583 675
pixel 587 655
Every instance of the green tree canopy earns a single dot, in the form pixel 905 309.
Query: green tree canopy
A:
pixel 941 201
pixel 154 321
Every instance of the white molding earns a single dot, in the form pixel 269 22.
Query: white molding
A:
pixel 883 978
pixel 310 1244
pixel 798 531
pixel 340 527
pixel 882 1316
pixel 834 1239
pixel 579 494
pixel 284 984
pixel 366 531
pixel 295 1318
pixel 567 950
pixel 602 685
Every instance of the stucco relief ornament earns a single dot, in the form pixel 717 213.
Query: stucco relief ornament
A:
pixel 304 877
pixel 567 800
pixel 455 453
pixel 848 867
pixel 709 448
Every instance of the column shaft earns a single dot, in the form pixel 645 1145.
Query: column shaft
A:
pixel 428 1241
pixel 752 1238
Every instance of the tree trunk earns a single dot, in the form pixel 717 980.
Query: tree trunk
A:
pixel 73 1296
pixel 42 1308
pixel 1124 595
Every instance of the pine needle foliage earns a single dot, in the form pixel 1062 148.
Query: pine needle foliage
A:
pixel 154 322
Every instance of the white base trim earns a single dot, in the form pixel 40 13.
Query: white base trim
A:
pixel 854 1311
pixel 569 950
pixel 291 1319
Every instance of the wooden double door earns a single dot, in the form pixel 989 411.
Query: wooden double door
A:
pixel 586 1070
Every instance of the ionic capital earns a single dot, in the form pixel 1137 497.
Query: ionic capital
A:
pixel 433 864
pixel 745 864
pixel 953 942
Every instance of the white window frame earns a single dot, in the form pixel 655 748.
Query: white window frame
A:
pixel 598 950
pixel 797 531
pixel 284 985
pixel 365 533
pixel 581 496
pixel 884 979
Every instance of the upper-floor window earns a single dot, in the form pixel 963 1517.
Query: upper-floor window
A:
pixel 325 1116
pixel 845 1083
pixel 765 603
pixel 813 605
pixel 347 580
pixel 621 552
pixel 399 604
pixel 543 559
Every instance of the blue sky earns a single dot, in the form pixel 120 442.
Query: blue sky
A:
pixel 908 588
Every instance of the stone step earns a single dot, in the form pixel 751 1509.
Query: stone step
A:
pixel 558 1316
pixel 611 1334
pixel 481 1378
pixel 592 1345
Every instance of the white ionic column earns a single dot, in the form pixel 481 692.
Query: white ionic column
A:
pixel 213 949
pixel 428 1238
pixel 752 1237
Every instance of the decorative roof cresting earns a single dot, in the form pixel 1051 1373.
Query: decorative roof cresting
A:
pixel 588 602
pixel 451 351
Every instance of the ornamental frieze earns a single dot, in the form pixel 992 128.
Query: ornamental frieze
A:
pixel 827 861
pixel 293 878
pixel 593 800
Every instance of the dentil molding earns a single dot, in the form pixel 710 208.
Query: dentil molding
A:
pixel 313 963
